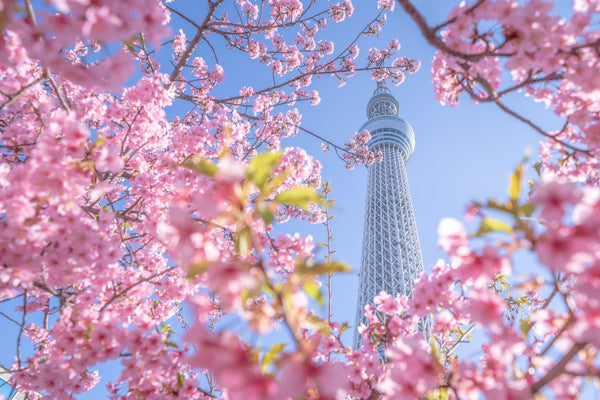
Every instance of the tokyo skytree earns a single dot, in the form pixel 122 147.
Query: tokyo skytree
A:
pixel 391 258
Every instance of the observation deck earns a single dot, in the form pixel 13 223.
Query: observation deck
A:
pixel 384 125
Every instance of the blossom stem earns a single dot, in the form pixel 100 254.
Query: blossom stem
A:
pixel 558 368
pixel 16 95
pixel 212 6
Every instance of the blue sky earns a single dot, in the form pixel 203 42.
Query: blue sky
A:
pixel 462 154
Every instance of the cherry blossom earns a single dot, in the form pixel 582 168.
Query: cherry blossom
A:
pixel 145 240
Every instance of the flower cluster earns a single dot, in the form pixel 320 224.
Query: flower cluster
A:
pixel 496 47
pixel 358 152
pixel 133 237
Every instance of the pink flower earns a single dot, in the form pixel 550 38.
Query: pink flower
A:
pixel 180 44
pixel 99 21
pixel 479 269
pixel 471 212
pixel 485 307
pixel 332 380
pixel 230 170
pixel 387 304
pixel 390 4
pixel 561 250
pixel 217 74
pixel 411 369
pixel 109 160
pixel 453 238
pixel 553 197
pixel 183 237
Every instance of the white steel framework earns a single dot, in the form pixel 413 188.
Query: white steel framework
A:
pixel 391 258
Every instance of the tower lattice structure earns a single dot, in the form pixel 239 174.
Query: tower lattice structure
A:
pixel 391 258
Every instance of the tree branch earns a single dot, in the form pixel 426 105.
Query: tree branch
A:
pixel 558 368
pixel 212 6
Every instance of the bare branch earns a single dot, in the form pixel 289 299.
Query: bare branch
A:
pixel 558 368
pixel 540 130
pixel 14 96
pixel 430 34
pixel 212 6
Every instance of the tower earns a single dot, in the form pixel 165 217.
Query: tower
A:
pixel 391 258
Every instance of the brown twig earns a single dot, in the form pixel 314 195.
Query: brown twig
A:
pixel 212 6
pixel 430 34
pixel 558 368
pixel 14 96
pixel 47 72
pixel 123 292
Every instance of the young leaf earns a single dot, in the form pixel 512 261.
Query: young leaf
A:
pixel 243 242
pixel 525 325
pixel 270 356
pixel 265 213
pixel 312 289
pixel 166 328
pixel 331 267
pixel 344 327
pixel 261 167
pixel 438 394
pixel 493 225
pixel 317 324
pixel 496 205
pixel 527 209
pixel 99 141
pixel 197 268
pixel 514 188
pixel 299 196
pixel 201 165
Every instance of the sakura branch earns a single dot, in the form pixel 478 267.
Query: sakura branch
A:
pixel 471 60
pixel 143 239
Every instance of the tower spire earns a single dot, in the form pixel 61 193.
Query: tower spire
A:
pixel 391 259
pixel 381 88
pixel 382 102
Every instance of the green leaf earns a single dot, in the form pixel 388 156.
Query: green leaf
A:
pixel 88 331
pixel 130 46
pixel 312 289
pixel 197 268
pixel 527 209
pixel 493 225
pixel 268 290
pixel 201 165
pixel 326 188
pixel 265 213
pixel 438 394
pixel 243 242
pixel 525 325
pixel 261 167
pixel 317 324
pixel 299 196
pixel 434 349
pixel 496 205
pixel 344 327
pixel 330 267
pixel 246 295
pixel 99 141
pixel 180 380
pixel 514 187
pixel 270 356
pixel 166 328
